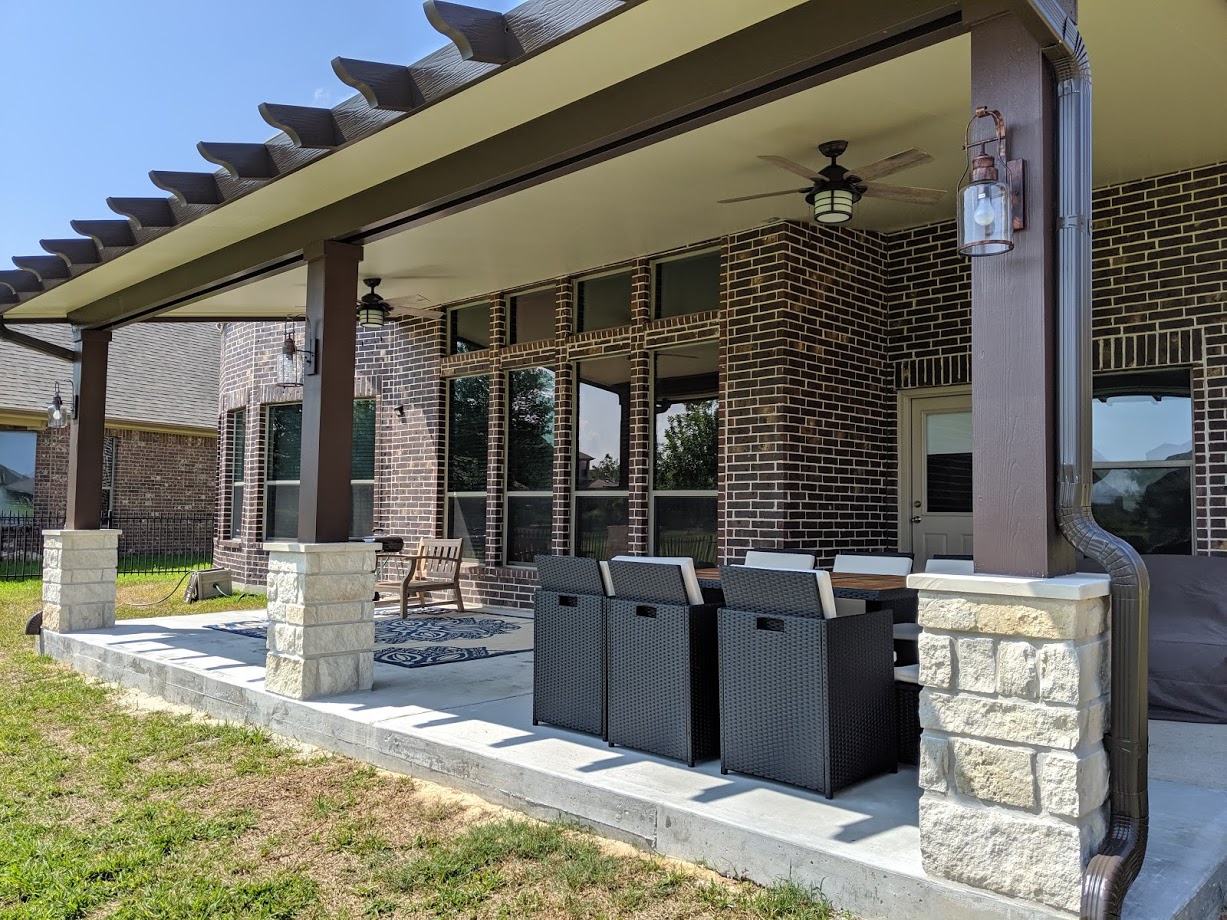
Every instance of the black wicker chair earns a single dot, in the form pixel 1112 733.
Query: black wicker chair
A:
pixel 569 665
pixel 663 696
pixel 907 708
pixel 803 699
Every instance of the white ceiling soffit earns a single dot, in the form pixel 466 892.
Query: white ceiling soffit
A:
pixel 664 196
pixel 638 38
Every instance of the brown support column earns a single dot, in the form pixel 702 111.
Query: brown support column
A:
pixel 328 393
pixel 1013 312
pixel 86 437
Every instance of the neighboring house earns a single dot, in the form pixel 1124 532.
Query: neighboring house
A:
pixel 161 438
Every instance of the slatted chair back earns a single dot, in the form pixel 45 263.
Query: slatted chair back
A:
pixel 438 560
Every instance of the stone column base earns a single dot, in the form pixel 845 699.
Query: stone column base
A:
pixel 321 629
pixel 79 579
pixel 1015 778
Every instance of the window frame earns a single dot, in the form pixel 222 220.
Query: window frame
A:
pixel 1190 463
pixel 510 298
pixel 235 474
pixel 508 494
pixel 596 276
pixel 577 494
pixel 653 492
pixel 654 282
pixel 449 341
pixel 268 461
pixel 448 494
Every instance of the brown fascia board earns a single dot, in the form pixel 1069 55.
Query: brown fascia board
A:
pixel 803 47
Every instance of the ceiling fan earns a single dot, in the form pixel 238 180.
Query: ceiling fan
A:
pixel 373 310
pixel 835 188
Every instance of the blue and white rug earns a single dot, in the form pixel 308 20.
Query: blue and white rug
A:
pixel 435 635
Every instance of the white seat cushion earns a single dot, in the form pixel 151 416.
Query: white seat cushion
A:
pixel 764 560
pixel 909 673
pixel 694 594
pixel 873 565
pixel 606 581
pixel 951 566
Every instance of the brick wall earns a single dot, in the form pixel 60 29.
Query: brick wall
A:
pixel 819 328
pixel 1159 300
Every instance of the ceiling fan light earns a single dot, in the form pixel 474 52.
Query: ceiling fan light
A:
pixel 372 315
pixel 833 204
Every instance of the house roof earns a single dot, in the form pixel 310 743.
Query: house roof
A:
pixel 159 376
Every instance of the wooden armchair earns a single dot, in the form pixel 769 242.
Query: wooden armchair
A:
pixel 435 567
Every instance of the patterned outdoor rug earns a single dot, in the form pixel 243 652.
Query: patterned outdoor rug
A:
pixel 435 635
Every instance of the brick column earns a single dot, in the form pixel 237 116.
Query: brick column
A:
pixel 1012 762
pixel 321 618
pixel 79 579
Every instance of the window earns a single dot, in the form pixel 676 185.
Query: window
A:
pixel 530 316
pixel 1142 438
pixel 17 452
pixel 468 328
pixel 468 423
pixel 284 469
pixel 684 392
pixel 236 439
pixel 603 302
pixel 688 285
pixel 602 439
pixel 530 463
pixel 110 453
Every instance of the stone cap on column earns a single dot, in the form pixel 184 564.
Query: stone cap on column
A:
pixel 1079 587
pixel 350 547
pixel 82 538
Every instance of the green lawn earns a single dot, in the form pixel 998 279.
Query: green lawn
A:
pixel 107 811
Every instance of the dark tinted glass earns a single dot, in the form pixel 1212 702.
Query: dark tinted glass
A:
pixel 686 526
pixel 529 526
pixel 530 430
pixel 530 317
pixel 689 285
pixel 361 509
pixel 468 423
pixel 603 431
pixel 601 303
pixel 282 512
pixel 468 329
pixel 285 441
pixel 1151 507
pixel 948 447
pixel 686 384
pixel 466 519
pixel 363 455
pixel 238 444
pixel 601 525
pixel 236 510
pixel 1143 416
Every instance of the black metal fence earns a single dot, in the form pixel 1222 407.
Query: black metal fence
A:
pixel 151 544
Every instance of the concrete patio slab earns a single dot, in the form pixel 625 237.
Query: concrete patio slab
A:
pixel 469 725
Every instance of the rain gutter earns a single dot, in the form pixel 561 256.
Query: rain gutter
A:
pixel 1110 872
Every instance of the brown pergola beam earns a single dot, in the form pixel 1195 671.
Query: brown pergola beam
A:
pixel 388 87
pixel 188 187
pixel 1013 327
pixel 479 35
pixel 36 344
pixel 304 125
pixel 85 442
pixel 242 161
pixel 328 392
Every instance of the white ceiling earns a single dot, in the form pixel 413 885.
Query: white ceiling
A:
pixel 1159 70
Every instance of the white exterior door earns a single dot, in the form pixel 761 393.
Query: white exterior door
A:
pixel 938 503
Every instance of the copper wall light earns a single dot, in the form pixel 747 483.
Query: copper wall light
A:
pixel 991 200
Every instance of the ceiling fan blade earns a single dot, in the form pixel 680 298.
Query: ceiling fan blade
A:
pixel 789 191
pixel 784 163
pixel 894 163
pixel 907 193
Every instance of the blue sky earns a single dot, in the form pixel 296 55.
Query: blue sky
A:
pixel 98 94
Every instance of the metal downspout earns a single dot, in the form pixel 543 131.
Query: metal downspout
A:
pixel 1113 869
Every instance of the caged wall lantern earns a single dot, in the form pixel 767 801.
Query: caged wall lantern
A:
pixel 57 414
pixel 294 362
pixel 991 200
